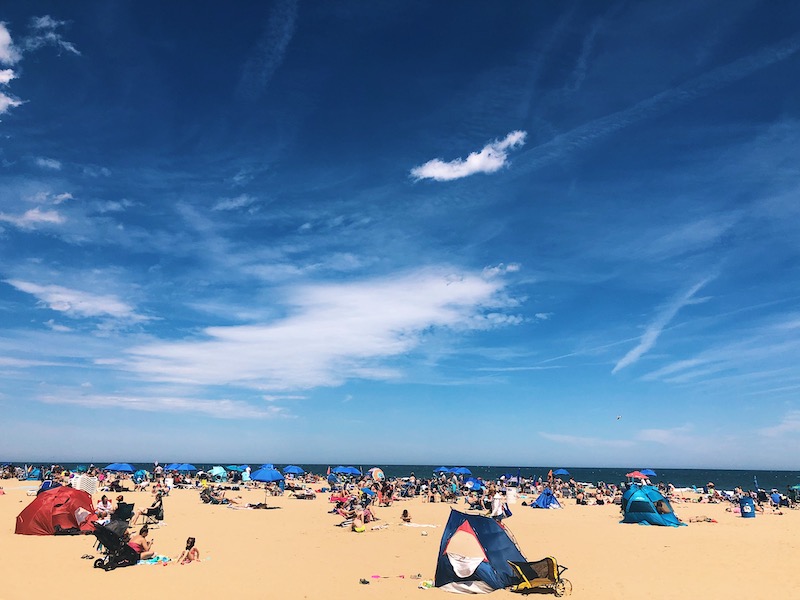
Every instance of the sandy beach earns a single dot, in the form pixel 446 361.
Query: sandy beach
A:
pixel 296 551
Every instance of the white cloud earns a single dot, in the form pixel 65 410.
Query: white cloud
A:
pixel 501 269
pixel 76 303
pixel 9 53
pixel 6 75
pixel 790 423
pixel 240 201
pixel 331 333
pixel 675 436
pixel 7 102
pixel 543 316
pixel 220 409
pixel 57 327
pixel 59 198
pixel 48 163
pixel 489 159
pixel 45 34
pixel 653 331
pixel 33 217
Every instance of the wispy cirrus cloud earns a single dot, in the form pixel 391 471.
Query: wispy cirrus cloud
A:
pixel 332 332
pixel 270 49
pixel 492 157
pixel 654 329
pixel 42 31
pixel 77 303
pixel 220 409
pixel 48 163
pixel 34 217
pixel 660 103
pixel 789 424
pixel 241 201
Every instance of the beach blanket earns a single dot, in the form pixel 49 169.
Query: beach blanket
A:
pixel 158 559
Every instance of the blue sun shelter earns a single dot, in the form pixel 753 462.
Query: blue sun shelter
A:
pixel 474 554
pixel 547 499
pixel 645 505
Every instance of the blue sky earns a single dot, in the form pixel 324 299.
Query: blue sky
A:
pixel 540 233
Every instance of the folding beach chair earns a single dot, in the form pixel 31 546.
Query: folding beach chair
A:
pixel 545 573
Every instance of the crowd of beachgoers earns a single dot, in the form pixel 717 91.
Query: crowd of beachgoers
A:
pixel 354 492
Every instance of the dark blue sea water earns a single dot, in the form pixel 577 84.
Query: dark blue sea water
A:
pixel 723 479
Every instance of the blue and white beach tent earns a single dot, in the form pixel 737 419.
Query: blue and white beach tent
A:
pixel 644 504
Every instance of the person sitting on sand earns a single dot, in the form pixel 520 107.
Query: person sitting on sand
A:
pixel 141 545
pixel 104 509
pixel 190 553
pixel 358 522
pixel 406 517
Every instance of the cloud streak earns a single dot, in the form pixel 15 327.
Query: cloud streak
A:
pixel 653 331
pixel 270 49
pixel 492 157
pixel 697 87
pixel 76 303
pixel 331 333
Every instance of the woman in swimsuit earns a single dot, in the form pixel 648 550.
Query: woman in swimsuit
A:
pixel 141 544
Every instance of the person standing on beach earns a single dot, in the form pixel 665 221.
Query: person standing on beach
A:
pixel 498 505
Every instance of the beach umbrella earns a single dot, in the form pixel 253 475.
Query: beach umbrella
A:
pixel 636 475
pixel 186 467
pixel 217 471
pixel 352 471
pixel 648 472
pixel 235 468
pixel 266 475
pixel 120 468
pixel 560 472
pixel 79 468
pixel 293 470
pixel 461 471
pixel 368 491
pixel 442 470
pixel 172 467
pixel 473 484
pixel 340 469
pixel 376 473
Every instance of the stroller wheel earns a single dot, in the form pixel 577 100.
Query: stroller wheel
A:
pixel 563 587
pixel 98 564
pixel 111 566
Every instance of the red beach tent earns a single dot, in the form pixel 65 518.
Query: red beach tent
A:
pixel 61 509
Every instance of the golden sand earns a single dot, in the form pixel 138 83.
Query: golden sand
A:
pixel 296 551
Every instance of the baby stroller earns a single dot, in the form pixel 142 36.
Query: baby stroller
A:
pixel 115 547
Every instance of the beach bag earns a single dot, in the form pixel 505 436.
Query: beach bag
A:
pixel 506 511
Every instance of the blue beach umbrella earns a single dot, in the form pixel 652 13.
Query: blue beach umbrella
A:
pixel 473 484
pixel 293 470
pixel 235 468
pixel 560 472
pixel 648 472
pixel 120 468
pixel 340 469
pixel 368 491
pixel 186 467
pixel 352 471
pixel 266 475
pixel 172 467
pixel 442 470
pixel 461 471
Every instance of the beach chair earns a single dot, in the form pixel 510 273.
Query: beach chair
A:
pixel 154 516
pixel 542 574
pixel 124 512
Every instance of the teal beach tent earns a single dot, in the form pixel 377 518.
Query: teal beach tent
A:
pixel 645 505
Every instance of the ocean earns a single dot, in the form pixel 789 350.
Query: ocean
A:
pixel 725 479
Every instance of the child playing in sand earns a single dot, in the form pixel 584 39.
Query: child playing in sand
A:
pixel 191 553
pixel 406 517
